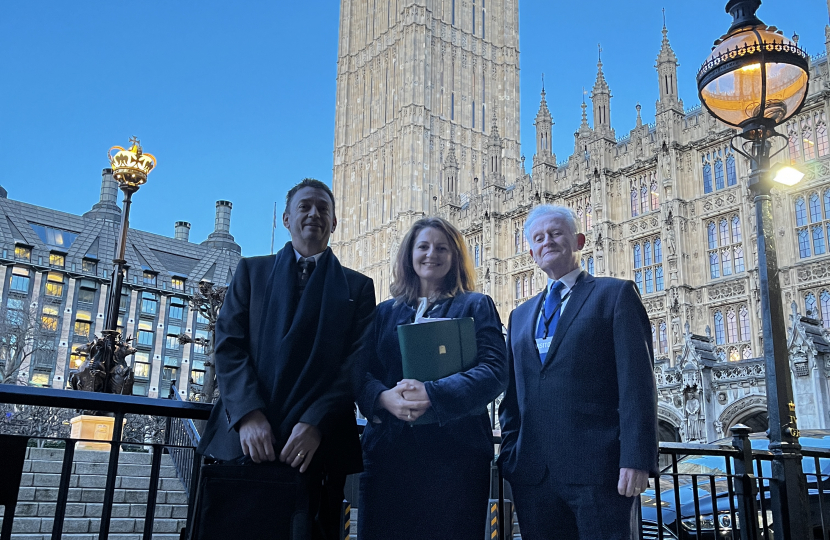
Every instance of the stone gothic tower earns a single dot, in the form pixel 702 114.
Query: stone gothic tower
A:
pixel 601 98
pixel 667 76
pixel 415 77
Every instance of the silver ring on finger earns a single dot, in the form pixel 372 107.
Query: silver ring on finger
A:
pixel 300 455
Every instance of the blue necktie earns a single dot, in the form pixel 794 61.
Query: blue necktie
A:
pixel 551 316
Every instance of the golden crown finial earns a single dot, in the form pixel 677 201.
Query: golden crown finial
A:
pixel 131 167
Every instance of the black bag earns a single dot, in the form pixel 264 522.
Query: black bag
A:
pixel 253 501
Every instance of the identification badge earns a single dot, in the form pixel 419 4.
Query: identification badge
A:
pixel 543 345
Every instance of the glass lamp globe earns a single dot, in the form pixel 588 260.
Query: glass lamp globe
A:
pixel 755 77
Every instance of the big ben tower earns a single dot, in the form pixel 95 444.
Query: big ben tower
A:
pixel 423 87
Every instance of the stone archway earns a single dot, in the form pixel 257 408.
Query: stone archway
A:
pixel 749 410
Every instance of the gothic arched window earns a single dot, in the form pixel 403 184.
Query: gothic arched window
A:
pixel 718 174
pixel 589 218
pixel 713 239
pixel 707 178
pixel 744 320
pixel 644 199
pixel 800 212
pixel 807 136
pixel 719 337
pixel 664 342
pixel 731 178
pixel 825 308
pixel 647 253
pixel 635 209
pixel 803 243
pixel 732 326
pixel 655 196
pixel 591 265
pixel 794 144
pixel 810 306
pixel 638 261
pixel 815 209
pixel 821 136
pixel 818 240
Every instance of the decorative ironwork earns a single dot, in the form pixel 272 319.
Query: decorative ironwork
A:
pixel 105 368
pixel 52 422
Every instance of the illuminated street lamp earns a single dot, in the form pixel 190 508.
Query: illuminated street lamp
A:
pixel 756 79
pixel 130 168
pixel 106 369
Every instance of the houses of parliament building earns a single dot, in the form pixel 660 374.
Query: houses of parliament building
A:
pixel 427 123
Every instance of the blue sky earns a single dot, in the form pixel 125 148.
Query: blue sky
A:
pixel 236 99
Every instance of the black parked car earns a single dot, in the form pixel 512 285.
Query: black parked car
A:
pixel 712 470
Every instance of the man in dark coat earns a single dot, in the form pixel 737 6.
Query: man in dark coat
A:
pixel 290 339
pixel 579 417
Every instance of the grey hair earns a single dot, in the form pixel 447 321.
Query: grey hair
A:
pixel 552 210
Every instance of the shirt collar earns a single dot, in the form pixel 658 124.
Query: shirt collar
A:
pixel 316 256
pixel 568 280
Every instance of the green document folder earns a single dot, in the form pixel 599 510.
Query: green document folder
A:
pixel 437 349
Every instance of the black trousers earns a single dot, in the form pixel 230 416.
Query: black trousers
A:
pixel 552 509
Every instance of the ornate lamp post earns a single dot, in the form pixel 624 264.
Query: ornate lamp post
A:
pixel 756 79
pixel 106 370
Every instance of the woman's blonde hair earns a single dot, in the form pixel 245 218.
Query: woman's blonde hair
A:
pixel 406 284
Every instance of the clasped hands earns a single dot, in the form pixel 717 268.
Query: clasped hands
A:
pixel 407 400
pixel 258 441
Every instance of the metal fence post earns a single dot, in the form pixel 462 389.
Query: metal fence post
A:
pixel 746 488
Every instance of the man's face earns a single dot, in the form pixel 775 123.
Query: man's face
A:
pixel 554 247
pixel 310 219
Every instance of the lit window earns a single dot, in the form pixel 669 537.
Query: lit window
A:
pixel 172 341
pixel 655 196
pixel 635 209
pixel 149 278
pixel 40 379
pixel 75 360
pixel 149 303
pixel 177 283
pixel 54 237
pixel 89 266
pixel 54 284
pixel 23 253
pixel 20 280
pixel 589 218
pixel 807 136
pixel 141 365
pixel 49 318
pixel 821 135
pixel 57 260
pixel 145 333
pixel 83 324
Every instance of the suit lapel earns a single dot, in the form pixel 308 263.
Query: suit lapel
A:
pixel 581 291
pixel 527 337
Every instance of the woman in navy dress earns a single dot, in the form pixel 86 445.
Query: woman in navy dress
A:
pixel 429 480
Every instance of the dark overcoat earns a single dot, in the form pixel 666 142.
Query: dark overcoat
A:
pixel 297 358
pixel 591 408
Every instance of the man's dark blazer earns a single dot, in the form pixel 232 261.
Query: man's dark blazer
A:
pixel 591 408
pixel 295 358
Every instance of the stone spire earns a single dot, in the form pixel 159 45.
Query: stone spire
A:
pixel 639 117
pixel 601 97
pixel 493 173
pixel 667 74
pixel 543 123
pixel 450 175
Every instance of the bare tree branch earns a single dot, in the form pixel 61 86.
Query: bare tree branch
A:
pixel 24 334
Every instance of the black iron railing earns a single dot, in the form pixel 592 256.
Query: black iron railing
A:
pixel 723 491
pixel 13 444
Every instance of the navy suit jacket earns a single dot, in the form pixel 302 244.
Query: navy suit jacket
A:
pixel 297 360
pixel 460 400
pixel 591 408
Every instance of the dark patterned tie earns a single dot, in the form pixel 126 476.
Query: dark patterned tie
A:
pixel 307 265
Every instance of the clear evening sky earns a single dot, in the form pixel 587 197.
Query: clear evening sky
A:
pixel 236 99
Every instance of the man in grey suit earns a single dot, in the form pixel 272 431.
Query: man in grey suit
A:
pixel 579 417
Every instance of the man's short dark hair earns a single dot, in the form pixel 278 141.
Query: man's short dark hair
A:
pixel 312 183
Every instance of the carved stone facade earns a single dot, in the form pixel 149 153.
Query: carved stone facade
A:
pixel 421 87
pixel 664 204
